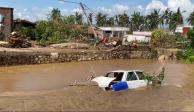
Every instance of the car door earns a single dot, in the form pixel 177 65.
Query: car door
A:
pixel 132 80
pixel 142 82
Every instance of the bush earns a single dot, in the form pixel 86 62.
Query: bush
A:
pixel 179 55
pixel 190 36
pixel 191 59
pixel 159 38
pixel 187 55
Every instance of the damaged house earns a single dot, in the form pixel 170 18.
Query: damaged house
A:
pixel 6 22
pixel 112 32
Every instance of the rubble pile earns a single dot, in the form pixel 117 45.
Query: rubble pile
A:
pixel 18 40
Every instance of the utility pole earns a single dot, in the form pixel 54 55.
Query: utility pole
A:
pixel 83 9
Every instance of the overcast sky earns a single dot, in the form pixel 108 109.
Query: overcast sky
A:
pixel 38 9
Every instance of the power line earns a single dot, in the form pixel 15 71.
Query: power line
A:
pixel 69 1
pixel 90 9
pixel 79 3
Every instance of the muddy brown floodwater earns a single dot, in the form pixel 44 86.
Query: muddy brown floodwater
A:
pixel 176 94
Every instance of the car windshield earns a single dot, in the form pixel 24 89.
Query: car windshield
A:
pixel 117 75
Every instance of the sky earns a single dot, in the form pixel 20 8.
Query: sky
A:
pixel 34 10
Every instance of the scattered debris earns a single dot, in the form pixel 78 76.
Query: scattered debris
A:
pixel 71 46
pixel 18 40
pixel 3 44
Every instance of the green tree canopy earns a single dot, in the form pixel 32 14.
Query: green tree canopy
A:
pixel 55 15
pixel 137 21
pixel 190 19
pixel 101 19
pixel 159 38
pixel 190 36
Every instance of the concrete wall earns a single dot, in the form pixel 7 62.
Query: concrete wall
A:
pixel 7 13
pixel 15 58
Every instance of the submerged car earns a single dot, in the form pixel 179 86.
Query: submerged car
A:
pixel 122 80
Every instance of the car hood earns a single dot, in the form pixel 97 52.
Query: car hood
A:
pixel 103 81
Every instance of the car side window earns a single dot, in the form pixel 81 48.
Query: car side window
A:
pixel 131 76
pixel 140 75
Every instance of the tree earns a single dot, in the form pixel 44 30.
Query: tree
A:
pixel 190 36
pixel 110 21
pixel 69 19
pixel 79 18
pixel 153 20
pixel 165 18
pixel 159 38
pixel 137 21
pixel 101 19
pixel 116 19
pixel 55 15
pixel 179 16
pixel 123 20
pixel 175 19
pixel 190 19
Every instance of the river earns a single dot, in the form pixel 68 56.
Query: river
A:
pixel 176 93
pixel 55 76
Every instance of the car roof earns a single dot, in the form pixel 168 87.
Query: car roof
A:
pixel 127 71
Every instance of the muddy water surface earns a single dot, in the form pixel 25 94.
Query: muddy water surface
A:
pixel 177 92
pixel 55 76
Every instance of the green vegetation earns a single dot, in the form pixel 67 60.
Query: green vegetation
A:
pixel 190 36
pixel 164 39
pixel 188 53
pixel 159 38
pixel 58 29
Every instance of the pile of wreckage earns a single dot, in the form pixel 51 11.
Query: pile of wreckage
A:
pixel 18 40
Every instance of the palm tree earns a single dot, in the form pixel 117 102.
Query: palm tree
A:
pixel 123 20
pixel 116 20
pixel 79 18
pixel 110 21
pixel 190 19
pixel 137 21
pixel 165 17
pixel 153 20
pixel 179 16
pixel 175 20
pixel 101 19
pixel 55 15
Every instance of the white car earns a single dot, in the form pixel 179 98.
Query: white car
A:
pixel 121 80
